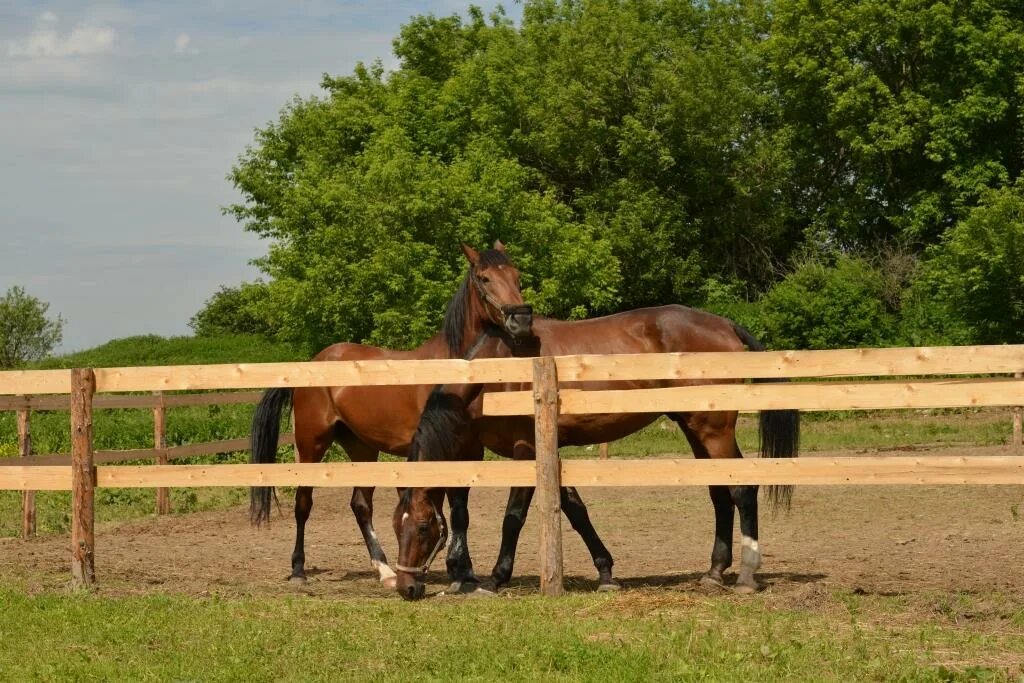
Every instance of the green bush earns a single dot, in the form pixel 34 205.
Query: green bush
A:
pixel 823 306
pixel 970 289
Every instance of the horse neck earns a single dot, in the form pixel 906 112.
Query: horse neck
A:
pixel 475 325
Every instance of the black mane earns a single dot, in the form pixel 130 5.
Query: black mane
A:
pixel 455 314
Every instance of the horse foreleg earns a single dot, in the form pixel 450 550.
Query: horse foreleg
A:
pixel 515 516
pixel 460 566
pixel 745 499
pixel 362 508
pixel 576 512
pixel 303 505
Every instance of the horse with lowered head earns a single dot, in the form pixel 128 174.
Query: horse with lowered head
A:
pixel 453 417
pixel 487 312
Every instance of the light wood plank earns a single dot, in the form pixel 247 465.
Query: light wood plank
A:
pixel 772 396
pixel 14 382
pixel 770 364
pixel 501 473
pixel 35 478
pixel 865 470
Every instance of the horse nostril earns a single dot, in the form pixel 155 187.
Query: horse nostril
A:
pixel 410 592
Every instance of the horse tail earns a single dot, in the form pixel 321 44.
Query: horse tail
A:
pixel 779 430
pixel 266 428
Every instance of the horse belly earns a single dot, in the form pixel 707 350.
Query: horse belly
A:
pixel 382 417
pixel 583 430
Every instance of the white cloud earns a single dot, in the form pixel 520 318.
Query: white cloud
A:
pixel 181 45
pixel 45 41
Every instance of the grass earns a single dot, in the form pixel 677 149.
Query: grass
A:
pixel 635 635
pixel 156 350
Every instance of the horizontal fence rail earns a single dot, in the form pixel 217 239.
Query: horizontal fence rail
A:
pixel 811 471
pixel 141 401
pixel 801 396
pixel 558 388
pixel 171 453
pixel 939 360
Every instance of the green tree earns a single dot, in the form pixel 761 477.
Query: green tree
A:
pixel 619 149
pixel 970 289
pixel 902 112
pixel 234 310
pixel 26 333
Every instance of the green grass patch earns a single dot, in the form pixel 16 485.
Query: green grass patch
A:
pixel 155 350
pixel 637 635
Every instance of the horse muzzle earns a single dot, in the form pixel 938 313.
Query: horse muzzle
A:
pixel 518 319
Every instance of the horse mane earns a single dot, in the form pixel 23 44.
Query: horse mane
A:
pixel 455 314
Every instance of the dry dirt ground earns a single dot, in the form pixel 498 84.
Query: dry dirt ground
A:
pixel 873 539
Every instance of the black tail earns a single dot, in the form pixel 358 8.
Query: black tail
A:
pixel 779 430
pixel 266 428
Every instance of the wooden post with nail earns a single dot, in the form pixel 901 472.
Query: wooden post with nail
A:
pixel 549 477
pixel 163 494
pixel 1018 417
pixel 83 479
pixel 28 498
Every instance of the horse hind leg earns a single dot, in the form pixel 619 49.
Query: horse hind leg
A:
pixel 308 448
pixel 713 435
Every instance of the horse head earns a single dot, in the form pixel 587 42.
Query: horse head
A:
pixel 422 532
pixel 496 290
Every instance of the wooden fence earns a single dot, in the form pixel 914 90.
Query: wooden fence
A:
pixel 161 453
pixel 557 389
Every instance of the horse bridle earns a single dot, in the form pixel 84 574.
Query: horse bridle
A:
pixel 506 311
pixel 441 541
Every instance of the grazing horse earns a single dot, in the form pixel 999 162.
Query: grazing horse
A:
pixel 486 312
pixel 453 416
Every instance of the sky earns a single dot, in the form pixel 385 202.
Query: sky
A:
pixel 119 122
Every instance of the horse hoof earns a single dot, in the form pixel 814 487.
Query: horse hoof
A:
pixel 297 580
pixel 711 581
pixel 745 589
pixel 610 587
pixel 390 582
pixel 479 592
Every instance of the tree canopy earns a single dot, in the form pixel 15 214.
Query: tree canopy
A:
pixel 634 153
pixel 26 333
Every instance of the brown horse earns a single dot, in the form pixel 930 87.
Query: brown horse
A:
pixel 486 311
pixel 453 417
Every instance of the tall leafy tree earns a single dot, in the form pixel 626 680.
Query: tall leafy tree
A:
pixel 902 112
pixel 26 332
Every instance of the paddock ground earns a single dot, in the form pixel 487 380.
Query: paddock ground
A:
pixel 886 540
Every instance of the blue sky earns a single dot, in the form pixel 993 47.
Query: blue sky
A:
pixel 118 124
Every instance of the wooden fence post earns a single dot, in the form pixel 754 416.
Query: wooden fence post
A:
pixel 28 498
pixel 83 479
pixel 1018 417
pixel 549 474
pixel 163 495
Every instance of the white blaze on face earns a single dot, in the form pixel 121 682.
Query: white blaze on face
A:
pixel 405 516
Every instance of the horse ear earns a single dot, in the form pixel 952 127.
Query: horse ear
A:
pixel 471 254
pixel 498 246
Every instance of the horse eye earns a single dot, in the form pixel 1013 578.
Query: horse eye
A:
pixel 423 527
pixel 484 279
